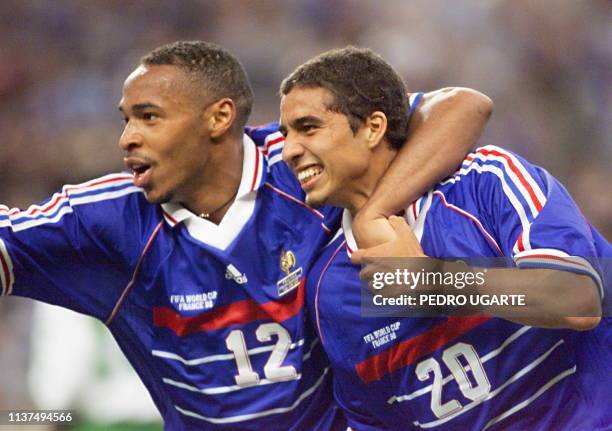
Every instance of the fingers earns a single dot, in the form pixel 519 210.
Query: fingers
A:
pixel 372 232
pixel 403 230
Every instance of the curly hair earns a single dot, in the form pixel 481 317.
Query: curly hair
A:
pixel 361 83
pixel 218 73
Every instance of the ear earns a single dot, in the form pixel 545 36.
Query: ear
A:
pixel 375 128
pixel 220 117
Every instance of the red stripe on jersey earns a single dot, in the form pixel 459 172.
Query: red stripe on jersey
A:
pixel 237 313
pixel 97 183
pixel 47 207
pixel 520 245
pixel 518 173
pixel 64 195
pixel 410 351
pixel 272 142
pixel 317 317
pixel 128 287
pixel 171 219
pixel 275 141
pixel 296 200
pixel 469 216
pixel 257 157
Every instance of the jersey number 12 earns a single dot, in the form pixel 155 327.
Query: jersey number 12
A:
pixel 274 371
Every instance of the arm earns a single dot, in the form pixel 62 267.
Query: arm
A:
pixel 553 298
pixel 72 250
pixel 442 131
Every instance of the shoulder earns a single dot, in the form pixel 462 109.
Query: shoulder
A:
pixel 110 205
pixel 492 175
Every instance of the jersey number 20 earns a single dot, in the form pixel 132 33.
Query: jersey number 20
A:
pixel 477 391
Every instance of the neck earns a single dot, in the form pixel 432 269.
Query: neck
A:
pixel 215 193
pixel 361 189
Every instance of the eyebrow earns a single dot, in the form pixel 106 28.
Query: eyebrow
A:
pixel 139 107
pixel 299 122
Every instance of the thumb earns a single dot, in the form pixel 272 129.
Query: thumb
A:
pixel 357 257
pixel 399 224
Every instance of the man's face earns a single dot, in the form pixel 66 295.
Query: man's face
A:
pixel 164 138
pixel 320 147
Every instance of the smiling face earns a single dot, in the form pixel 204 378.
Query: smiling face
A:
pixel 165 137
pixel 329 160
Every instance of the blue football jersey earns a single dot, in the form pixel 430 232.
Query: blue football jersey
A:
pixel 476 372
pixel 211 316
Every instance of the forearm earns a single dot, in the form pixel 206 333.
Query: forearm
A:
pixel 442 131
pixel 552 298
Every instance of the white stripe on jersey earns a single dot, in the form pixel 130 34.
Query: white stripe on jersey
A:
pixel 230 356
pixel 339 232
pixel 496 392
pixel 272 137
pixel 263 413
pixel 529 400
pixel 274 147
pixel 278 136
pixel 226 356
pixel 66 208
pixel 518 207
pixel 558 258
pixel 492 354
pixel 515 179
pixel 275 159
pixel 226 389
pixel 111 180
pixel 419 225
pixel 6 263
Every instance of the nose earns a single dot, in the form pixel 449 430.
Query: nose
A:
pixel 292 150
pixel 130 138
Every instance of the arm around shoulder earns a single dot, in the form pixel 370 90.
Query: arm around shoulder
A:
pixel 442 130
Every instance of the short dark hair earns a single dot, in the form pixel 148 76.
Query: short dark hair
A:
pixel 217 71
pixel 361 83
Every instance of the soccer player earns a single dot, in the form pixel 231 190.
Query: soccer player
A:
pixel 196 259
pixel 341 114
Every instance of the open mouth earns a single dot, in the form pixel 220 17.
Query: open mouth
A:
pixel 308 176
pixel 140 170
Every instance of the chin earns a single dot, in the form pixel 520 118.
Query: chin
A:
pixel 314 201
pixel 156 198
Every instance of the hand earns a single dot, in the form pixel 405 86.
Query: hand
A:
pixel 402 244
pixel 371 229
pixel 389 258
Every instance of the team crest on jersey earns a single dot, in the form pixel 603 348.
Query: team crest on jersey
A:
pixel 293 277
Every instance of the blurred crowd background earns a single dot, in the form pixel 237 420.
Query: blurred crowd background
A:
pixel 545 63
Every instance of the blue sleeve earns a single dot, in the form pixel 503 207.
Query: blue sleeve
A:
pixel 533 217
pixel 75 250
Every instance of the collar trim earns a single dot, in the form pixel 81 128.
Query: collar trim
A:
pixel 415 215
pixel 222 235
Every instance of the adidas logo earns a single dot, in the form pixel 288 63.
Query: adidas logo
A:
pixel 231 272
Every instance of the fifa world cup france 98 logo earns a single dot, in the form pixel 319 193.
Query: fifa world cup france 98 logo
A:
pixel 292 280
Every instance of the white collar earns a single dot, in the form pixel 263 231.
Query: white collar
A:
pixel 415 215
pixel 238 214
